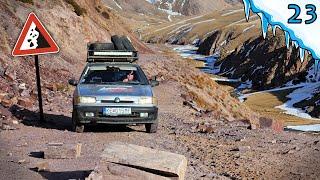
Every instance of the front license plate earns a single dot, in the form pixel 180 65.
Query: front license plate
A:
pixel 116 111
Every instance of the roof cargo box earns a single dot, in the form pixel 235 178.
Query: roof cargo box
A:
pixel 106 52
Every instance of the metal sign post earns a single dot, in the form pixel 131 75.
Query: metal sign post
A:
pixel 36 58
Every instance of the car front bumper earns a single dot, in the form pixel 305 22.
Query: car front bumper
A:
pixel 134 118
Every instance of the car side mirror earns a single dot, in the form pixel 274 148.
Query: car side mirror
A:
pixel 154 83
pixel 73 82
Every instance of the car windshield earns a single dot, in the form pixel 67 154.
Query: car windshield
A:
pixel 112 75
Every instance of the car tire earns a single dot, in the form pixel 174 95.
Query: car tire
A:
pixel 79 128
pixel 101 46
pixel 127 44
pixel 151 128
pixel 117 41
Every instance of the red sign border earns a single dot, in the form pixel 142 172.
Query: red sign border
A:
pixel 53 46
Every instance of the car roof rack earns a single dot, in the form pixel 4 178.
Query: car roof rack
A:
pixel 101 52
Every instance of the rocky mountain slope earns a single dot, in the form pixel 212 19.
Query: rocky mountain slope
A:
pixel 73 26
pixel 264 63
pixel 243 53
pixel 186 30
pixel 192 7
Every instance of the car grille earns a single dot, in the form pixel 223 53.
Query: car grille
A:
pixel 112 101
pixel 134 114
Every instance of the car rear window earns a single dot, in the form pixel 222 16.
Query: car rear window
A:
pixel 113 75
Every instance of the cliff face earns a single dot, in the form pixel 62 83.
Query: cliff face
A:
pixel 266 63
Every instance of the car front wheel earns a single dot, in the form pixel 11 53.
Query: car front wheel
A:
pixel 151 128
pixel 79 128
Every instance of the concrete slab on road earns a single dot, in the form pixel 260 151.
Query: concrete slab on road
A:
pixel 156 162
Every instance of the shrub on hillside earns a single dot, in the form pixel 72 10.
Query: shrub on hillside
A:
pixel 105 15
pixel 27 1
pixel 77 9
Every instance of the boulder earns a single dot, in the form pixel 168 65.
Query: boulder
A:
pixel 62 151
pixel 268 123
pixel 116 171
pixel 22 86
pixel 203 128
pixel 7 102
pixel 42 166
pixel 25 102
pixel 160 163
pixel 11 74
pixel 3 96
pixel 52 87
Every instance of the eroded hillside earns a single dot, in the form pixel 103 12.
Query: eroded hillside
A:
pixel 71 31
pixel 73 26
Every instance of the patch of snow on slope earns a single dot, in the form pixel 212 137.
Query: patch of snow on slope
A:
pixel 189 51
pixel 248 28
pixel 153 1
pixel 180 22
pixel 176 29
pixel 243 97
pixel 117 4
pixel 170 12
pixel 304 93
pixel 205 21
pixel 306 128
pixel 232 12
pixel 246 85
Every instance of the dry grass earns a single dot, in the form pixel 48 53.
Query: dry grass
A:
pixel 264 104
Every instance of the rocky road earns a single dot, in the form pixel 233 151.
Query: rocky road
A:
pixel 215 148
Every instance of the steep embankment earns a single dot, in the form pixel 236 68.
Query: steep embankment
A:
pixel 72 24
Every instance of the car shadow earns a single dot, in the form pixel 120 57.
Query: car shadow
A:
pixel 52 121
pixel 62 122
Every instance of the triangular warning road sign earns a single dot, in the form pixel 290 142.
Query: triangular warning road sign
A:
pixel 34 39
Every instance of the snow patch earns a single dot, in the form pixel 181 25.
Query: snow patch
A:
pixel 248 28
pixel 304 93
pixel 243 97
pixel 305 128
pixel 232 12
pixel 205 21
pixel 117 4
pixel 190 51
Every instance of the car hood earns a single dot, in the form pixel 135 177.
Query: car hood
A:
pixel 114 90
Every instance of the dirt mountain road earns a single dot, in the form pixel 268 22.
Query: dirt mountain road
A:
pixel 228 149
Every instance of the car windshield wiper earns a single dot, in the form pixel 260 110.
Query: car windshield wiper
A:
pixel 133 82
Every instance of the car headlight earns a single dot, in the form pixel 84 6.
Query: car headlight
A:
pixel 85 100
pixel 148 100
